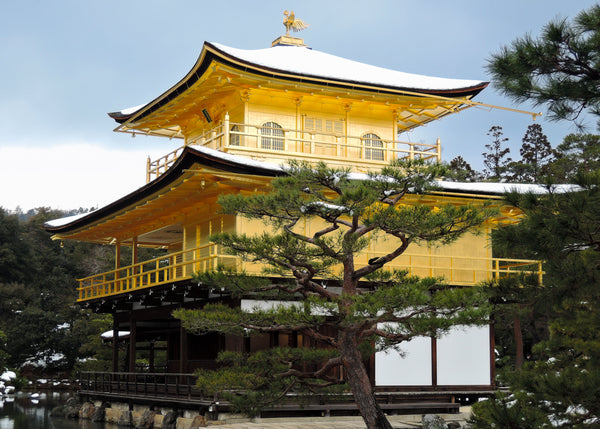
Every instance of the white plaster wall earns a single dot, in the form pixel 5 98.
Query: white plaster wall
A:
pixel 464 356
pixel 414 369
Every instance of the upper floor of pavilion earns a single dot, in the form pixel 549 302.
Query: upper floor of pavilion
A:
pixel 293 102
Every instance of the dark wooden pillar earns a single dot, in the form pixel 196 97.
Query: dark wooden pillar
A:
pixel 132 341
pixel 183 350
pixel 115 350
pixel 492 354
pixel 274 339
pixel 151 357
pixel 434 361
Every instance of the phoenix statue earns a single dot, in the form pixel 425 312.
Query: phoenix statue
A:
pixel 292 23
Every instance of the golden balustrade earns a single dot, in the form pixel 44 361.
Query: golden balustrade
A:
pixel 178 266
pixel 282 144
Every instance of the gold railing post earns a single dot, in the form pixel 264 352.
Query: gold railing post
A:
pixel 148 165
pixel 213 137
pixel 438 144
pixel 226 130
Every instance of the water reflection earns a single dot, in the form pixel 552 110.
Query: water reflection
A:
pixel 27 411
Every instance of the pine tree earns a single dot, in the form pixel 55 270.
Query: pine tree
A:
pixel 495 160
pixel 461 170
pixel 562 381
pixel 560 69
pixel 359 307
pixel 577 154
pixel 560 386
pixel 536 154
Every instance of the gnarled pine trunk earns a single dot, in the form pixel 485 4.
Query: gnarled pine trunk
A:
pixel 359 382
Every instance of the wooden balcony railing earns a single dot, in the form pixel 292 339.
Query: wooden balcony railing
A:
pixel 281 144
pixel 128 385
pixel 180 391
pixel 456 270
pixel 154 272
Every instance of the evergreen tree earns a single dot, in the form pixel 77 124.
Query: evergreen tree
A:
pixel 560 386
pixel 560 69
pixel 93 354
pixel 577 154
pixel 38 314
pixel 495 160
pixel 14 253
pixel 3 353
pixel 461 170
pixel 520 319
pixel 536 155
pixel 360 306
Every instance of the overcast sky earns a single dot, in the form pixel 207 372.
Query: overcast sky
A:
pixel 65 63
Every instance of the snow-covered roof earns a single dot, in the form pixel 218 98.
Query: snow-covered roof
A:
pixel 66 220
pixel 218 159
pixel 303 60
pixel 237 159
pixel 304 63
pixel 503 188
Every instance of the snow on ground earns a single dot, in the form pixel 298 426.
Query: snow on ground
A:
pixel 5 380
pixel 8 376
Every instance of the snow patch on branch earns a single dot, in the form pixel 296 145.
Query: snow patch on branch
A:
pixel 324 207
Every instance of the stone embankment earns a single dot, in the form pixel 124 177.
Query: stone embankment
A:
pixel 144 417
pixel 140 417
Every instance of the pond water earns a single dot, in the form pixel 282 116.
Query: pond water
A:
pixel 24 411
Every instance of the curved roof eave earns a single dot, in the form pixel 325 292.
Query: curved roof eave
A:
pixel 212 52
pixel 188 157
pixel 236 164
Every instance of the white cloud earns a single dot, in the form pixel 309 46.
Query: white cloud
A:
pixel 67 176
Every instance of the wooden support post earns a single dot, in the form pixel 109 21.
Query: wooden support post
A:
pixel 185 256
pixel 117 255
pixel 391 153
pixel 132 341
pixel 134 250
pixel 183 350
pixel 117 266
pixel 492 354
pixel 151 357
pixel 434 361
pixel 115 350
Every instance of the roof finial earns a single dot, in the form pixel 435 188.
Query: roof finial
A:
pixel 292 23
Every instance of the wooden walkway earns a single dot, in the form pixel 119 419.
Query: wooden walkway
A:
pixel 179 391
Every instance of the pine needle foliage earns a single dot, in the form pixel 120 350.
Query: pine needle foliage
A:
pixel 346 308
pixel 560 69
pixel 561 381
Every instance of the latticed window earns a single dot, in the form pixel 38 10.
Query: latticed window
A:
pixel 271 136
pixel 324 125
pixel 234 137
pixel 371 140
